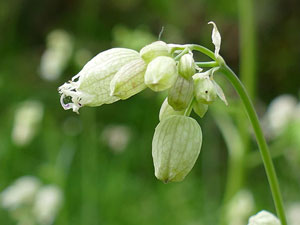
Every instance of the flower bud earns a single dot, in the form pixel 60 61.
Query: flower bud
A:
pixel 166 110
pixel 200 109
pixel 175 147
pixel 205 91
pixel 153 50
pixel 264 218
pixel 129 80
pixel 161 73
pixel 91 86
pixel 186 66
pixel 181 93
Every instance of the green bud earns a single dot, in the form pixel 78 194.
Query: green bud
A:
pixel 91 86
pixel 161 73
pixel 186 66
pixel 175 147
pixel 205 91
pixel 153 50
pixel 181 93
pixel 200 109
pixel 166 110
pixel 129 80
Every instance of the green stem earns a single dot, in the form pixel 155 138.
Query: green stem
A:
pixel 186 50
pixel 265 154
pixel 192 47
pixel 207 64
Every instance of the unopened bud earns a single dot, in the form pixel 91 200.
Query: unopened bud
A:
pixel 129 80
pixel 200 109
pixel 181 93
pixel 153 50
pixel 175 147
pixel 161 73
pixel 186 66
pixel 205 90
pixel 166 110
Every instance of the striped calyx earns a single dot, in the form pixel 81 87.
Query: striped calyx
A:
pixel 153 50
pixel 129 80
pixel 161 73
pixel 186 66
pixel 175 147
pixel 181 93
pixel 166 110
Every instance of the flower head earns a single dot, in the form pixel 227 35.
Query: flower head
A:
pixel 91 86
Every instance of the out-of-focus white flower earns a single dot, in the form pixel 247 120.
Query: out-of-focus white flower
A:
pixel 54 60
pixel 264 218
pixel 279 113
pixel 296 115
pixel 116 137
pixel 293 213
pixel 20 193
pixel 47 203
pixel 27 118
pixel 240 208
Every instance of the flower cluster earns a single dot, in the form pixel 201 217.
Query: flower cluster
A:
pixel 120 73
pixel 30 202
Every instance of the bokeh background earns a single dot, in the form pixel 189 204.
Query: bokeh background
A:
pixel 57 167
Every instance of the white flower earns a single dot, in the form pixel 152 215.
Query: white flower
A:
pixel 116 137
pixel 293 213
pixel 279 113
pixel 27 118
pixel 91 86
pixel 57 55
pixel 240 208
pixel 264 218
pixel 20 193
pixel 47 203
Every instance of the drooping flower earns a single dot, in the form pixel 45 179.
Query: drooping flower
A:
pixel 91 86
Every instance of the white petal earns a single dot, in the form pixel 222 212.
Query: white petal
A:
pixel 220 92
pixel 216 38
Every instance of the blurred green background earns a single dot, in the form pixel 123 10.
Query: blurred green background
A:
pixel 101 159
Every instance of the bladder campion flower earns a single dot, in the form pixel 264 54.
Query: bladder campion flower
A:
pixel 120 73
pixel 91 86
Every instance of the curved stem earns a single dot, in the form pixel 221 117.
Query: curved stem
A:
pixel 265 154
pixel 192 47
pixel 207 64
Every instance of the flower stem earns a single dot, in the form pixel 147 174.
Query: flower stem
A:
pixel 265 154
pixel 207 64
